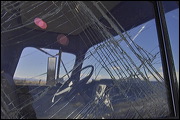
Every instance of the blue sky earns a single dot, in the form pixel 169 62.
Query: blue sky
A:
pixel 173 29
pixel 34 62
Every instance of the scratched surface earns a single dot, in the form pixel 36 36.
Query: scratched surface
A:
pixel 125 82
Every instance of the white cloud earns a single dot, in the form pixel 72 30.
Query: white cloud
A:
pixel 115 68
pixel 151 77
pixel 161 73
pixel 177 75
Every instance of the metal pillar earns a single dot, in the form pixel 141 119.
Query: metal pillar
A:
pixel 167 59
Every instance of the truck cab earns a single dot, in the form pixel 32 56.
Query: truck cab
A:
pixel 87 59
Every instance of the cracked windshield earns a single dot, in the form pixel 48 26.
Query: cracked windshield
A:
pixel 85 59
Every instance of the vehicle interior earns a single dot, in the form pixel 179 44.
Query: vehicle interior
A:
pixel 113 74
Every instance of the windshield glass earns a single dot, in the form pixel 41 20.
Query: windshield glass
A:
pixel 80 60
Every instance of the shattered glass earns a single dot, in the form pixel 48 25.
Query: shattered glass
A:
pixel 120 77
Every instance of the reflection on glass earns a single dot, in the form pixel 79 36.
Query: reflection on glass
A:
pixel 127 81
pixel 51 71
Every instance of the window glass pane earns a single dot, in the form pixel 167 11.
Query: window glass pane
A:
pixel 32 66
pixel 135 63
pixel 110 65
pixel 172 21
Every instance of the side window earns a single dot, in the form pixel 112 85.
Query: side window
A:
pixel 172 21
pixel 32 66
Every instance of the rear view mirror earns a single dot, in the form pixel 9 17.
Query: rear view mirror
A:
pixel 51 70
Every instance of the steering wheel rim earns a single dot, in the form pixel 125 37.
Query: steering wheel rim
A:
pixel 78 87
pixel 87 77
pixel 80 82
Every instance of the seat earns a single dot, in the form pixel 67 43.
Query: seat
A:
pixel 12 99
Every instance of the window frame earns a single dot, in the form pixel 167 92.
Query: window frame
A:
pixel 167 59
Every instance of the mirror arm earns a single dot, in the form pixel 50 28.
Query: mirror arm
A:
pixel 59 62
pixel 65 69
pixel 44 52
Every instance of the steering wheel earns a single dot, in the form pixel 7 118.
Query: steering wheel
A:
pixel 78 86
pixel 84 80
